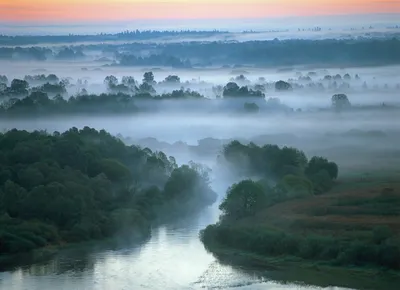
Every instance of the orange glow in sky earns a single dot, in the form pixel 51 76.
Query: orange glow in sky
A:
pixel 90 10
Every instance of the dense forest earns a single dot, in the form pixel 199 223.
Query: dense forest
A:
pixel 256 53
pixel 279 175
pixel 85 184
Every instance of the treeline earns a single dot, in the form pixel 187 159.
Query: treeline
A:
pixel 125 35
pixel 21 88
pixel 40 53
pixel 38 103
pixel 283 173
pixel 258 53
pixel 379 249
pixel 85 184
pixel 279 175
pixel 291 52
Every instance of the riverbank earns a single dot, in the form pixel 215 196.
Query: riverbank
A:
pixel 12 261
pixel 289 269
pixel 354 230
pixel 132 238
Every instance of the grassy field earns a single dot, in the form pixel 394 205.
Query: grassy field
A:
pixel 347 237
pixel 355 206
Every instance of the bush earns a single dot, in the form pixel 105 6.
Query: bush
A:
pixel 319 248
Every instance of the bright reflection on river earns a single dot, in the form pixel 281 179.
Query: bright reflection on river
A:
pixel 174 258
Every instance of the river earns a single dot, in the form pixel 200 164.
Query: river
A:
pixel 173 258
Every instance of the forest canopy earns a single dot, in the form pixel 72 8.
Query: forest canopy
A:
pixel 86 184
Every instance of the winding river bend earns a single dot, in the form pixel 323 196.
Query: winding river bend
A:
pixel 173 258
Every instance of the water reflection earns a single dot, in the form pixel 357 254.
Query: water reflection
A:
pixel 174 258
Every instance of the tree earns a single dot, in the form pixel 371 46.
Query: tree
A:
pixel 292 186
pixel 337 77
pixel 259 87
pixel 19 86
pixel 243 199
pixel 241 79
pixel 322 181
pixel 282 86
pixel 3 87
pixel 3 79
pixel 147 88
pixel 111 81
pixel 148 77
pixel 317 164
pixel 322 173
pixel 129 81
pixel 340 102
pixel 231 89
pixel 114 170
pixel 52 78
pixel 173 79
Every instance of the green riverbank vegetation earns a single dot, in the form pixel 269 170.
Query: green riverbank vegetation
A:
pixel 85 185
pixel 298 208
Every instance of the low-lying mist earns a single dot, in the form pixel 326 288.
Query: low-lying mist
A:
pixel 191 112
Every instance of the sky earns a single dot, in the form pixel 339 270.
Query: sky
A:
pixel 70 11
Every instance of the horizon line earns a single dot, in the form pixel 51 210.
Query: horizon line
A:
pixel 41 23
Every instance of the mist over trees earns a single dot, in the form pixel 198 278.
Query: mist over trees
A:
pixel 258 53
pixel 280 122
pixel 85 184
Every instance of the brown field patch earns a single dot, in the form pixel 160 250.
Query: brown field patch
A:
pixel 359 209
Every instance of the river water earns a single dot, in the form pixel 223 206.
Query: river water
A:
pixel 173 258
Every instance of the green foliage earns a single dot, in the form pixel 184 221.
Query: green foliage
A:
pixel 3 79
pixel 292 186
pixel 85 184
pixel 242 200
pixel 114 170
pixel 312 247
pixel 322 181
pixel 281 86
pixel 232 90
pixel 318 164
pixel 148 77
pixel 288 167
pixel 172 79
pixel 340 102
pixel 19 86
pixel 191 183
